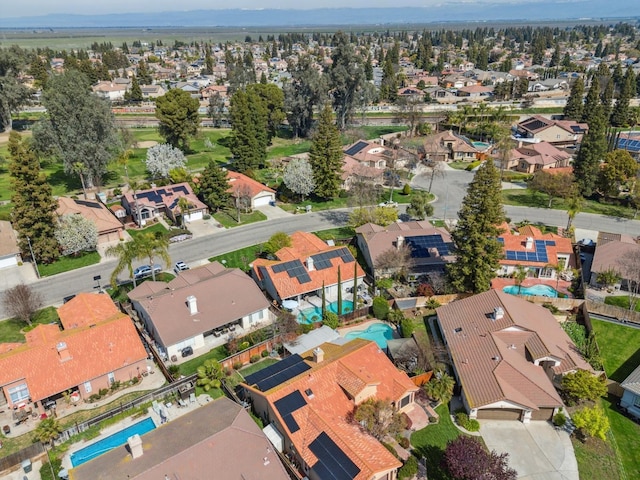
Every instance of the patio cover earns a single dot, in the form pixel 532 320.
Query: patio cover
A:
pixel 311 340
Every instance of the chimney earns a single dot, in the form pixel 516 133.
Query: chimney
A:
pixel 135 445
pixel 399 241
pixel 498 313
pixel 529 244
pixel 193 304
pixel 310 266
pixel 318 355
pixel 63 351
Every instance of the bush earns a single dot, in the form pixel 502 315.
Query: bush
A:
pixel 390 448
pixel 134 380
pixel 331 320
pixel 467 423
pixel 462 418
pixel 473 425
pixel 254 358
pixel 432 304
pixel 237 365
pixel 265 353
pixel 472 165
pixel 433 420
pixel 174 370
pixel 94 398
pixel 243 346
pixel 406 190
pixel 409 469
pixel 407 327
pixel 103 391
pixel 115 385
pixel 404 442
pixel 559 419
pixel 380 308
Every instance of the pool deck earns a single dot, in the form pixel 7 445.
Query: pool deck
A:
pixel 561 286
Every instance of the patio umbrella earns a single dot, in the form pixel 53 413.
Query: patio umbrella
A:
pixel 289 304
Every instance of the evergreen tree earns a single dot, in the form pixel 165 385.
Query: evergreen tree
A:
pixel 214 186
pixel 574 106
pixel 389 85
pixel 208 61
pixel 135 95
pixel 143 73
pixel 476 247
pixel 620 114
pixel 592 101
pixel 305 91
pixel 346 77
pixel 325 156
pixel 249 136
pixel 33 215
pixel 607 99
pixel 594 145
pixel 177 113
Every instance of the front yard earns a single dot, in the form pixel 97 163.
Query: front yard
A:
pixel 65 264
pixel 13 330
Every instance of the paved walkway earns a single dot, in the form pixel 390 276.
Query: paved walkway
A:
pixel 537 451
pixel 273 212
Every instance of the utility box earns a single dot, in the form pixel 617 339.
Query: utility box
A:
pixel 26 465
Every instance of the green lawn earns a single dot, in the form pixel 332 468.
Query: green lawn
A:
pixel 229 219
pixel 12 330
pixel 596 459
pixel 627 438
pixel 529 198
pixel 431 441
pixel 335 233
pixel 64 264
pixel 156 227
pixel 621 301
pixel 256 367
pixel 619 346
pixel 189 367
pixel 239 258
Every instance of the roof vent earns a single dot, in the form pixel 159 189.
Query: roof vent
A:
pixel 496 358
pixel 61 346
pixel 310 265
pixel 399 241
pixel 457 330
pixel 309 393
pixel 63 351
pixel 498 313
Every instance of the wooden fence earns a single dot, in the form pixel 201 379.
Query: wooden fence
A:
pixel 32 452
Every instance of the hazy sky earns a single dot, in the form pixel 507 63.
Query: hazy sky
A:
pixel 24 8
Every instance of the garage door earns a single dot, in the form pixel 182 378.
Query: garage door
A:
pixel 9 261
pixel 542 414
pixel 194 216
pixel 262 201
pixel 500 414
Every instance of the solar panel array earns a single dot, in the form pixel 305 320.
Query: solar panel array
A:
pixel 629 144
pixel 356 148
pixel 421 244
pixel 333 463
pixel 534 124
pixel 289 404
pixel 278 373
pixel 323 260
pixel 294 268
pixel 539 255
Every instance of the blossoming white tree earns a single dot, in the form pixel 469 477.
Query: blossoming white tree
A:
pixel 298 177
pixel 76 234
pixel 163 158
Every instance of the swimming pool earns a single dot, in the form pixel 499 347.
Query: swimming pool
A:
pixel 378 332
pixel 112 441
pixel 481 144
pixel 536 290
pixel 314 314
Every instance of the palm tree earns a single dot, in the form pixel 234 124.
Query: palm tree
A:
pixel 440 387
pixel 519 276
pixel 125 254
pixel 48 430
pixel 574 205
pixel 210 375
pixel 184 206
pixel 151 245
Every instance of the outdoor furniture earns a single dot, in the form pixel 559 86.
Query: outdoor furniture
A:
pixel 182 403
pixel 192 398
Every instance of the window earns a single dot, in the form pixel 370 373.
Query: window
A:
pixel 87 387
pixel 111 377
pixel 405 401
pixel 19 393
pixel 636 401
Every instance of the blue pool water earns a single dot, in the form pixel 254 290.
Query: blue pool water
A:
pixel 537 290
pixel 314 314
pixel 112 441
pixel 378 332
pixel 480 144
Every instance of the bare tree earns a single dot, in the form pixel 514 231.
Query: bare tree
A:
pixel 395 260
pixel 21 302
pixel 630 271
pixel 436 170
pixel 242 198
pixel 362 192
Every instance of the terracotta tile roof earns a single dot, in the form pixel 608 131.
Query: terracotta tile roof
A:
pixel 94 351
pixel 542 153
pixel 87 309
pixel 95 211
pixel 8 240
pixel 490 354
pixel 238 180
pixel 517 242
pixel 354 365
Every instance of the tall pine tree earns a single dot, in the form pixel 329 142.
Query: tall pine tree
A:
pixel 574 106
pixel 249 136
pixel 325 156
pixel 475 238
pixel 592 100
pixel 586 166
pixel 214 186
pixel 34 209
pixel 620 114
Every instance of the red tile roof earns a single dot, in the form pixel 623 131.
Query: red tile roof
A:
pixel 87 309
pixel 239 181
pixel 518 242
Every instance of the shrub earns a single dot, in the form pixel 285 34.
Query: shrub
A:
pixel 462 418
pixel 472 165
pixel 380 308
pixel 433 420
pixel 331 320
pixel 103 391
pixel 559 419
pixel 115 385
pixel 432 304
pixel 407 327
pixel 237 365
pixel 409 469
pixel 265 353
pixel 406 190
pixel 390 448
pixel 467 423
pixel 424 290
pixel 404 442
pixel 134 380
pixel 94 398
pixel 243 345
pixel 473 425
pixel 254 358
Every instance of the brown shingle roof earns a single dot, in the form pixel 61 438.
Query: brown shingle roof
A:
pixel 8 241
pixel 99 214
pixel 612 255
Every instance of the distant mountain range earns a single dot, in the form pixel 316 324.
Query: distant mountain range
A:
pixel 449 12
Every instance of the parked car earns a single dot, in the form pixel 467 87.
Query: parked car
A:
pixel 186 351
pixel 180 267
pixel 145 271
pixel 388 203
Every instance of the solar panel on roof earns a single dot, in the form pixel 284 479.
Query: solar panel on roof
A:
pixel 356 148
pixel 289 404
pixel 551 243
pixel 304 278
pixel 333 463
pixel 181 188
pixel 278 268
pixel 277 373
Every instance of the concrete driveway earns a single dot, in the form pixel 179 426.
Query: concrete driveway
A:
pixel 536 450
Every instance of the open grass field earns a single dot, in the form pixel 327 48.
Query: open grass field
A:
pixel 619 346
pixel 626 438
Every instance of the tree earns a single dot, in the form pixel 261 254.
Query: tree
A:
pixel 277 241
pixel 389 83
pixel 185 208
pixel 465 458
pixel 575 102
pixel 214 186
pixel 395 259
pixel 346 77
pixel 33 213
pixel 48 430
pixel 592 421
pixel 135 95
pixel 382 216
pixel 379 418
pixel 619 168
pixel 298 177
pixel 150 246
pixel 591 101
pixel 419 207
pixel 249 137
pixel 325 156
pixel 76 234
pixel 574 205
pixel 629 264
pixel 555 185
pixel 143 73
pixel 380 308
pixel 79 128
pixel 13 93
pixel 608 277
pixel 476 247
pixel 216 110
pixel 331 320
pixel 210 375
pixel 620 113
pixel 21 302
pixel 440 387
pixel 519 276
pixel 163 158
pixel 583 385
pixel 586 165
pixel 272 99
pixel 305 92
pixel 177 114
pixel 125 253
pixel 409 111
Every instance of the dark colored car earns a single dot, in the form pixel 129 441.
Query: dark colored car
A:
pixel 186 351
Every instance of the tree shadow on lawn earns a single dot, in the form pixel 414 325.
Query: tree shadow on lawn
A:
pixel 59 178
pixel 624 370
pixel 433 456
pixel 527 198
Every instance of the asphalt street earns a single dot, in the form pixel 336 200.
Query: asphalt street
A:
pixel 449 191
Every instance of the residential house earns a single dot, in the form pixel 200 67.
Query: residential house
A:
pixel 430 246
pixel 199 306
pixel 98 345
pixel 193 445
pixel 542 255
pixel 411 93
pixel 475 92
pixel 369 154
pixel 354 171
pixel 152 91
pixel 149 204
pixel 458 147
pixel 556 132
pixel 629 141
pixel 531 157
pixel 9 250
pixel 307 400
pixel 110 229
pixel 631 397
pixel 243 187
pixel 616 252
pixel 549 84
pixel 507 353
pixel 305 268
pixel 109 90
pixel 213 90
